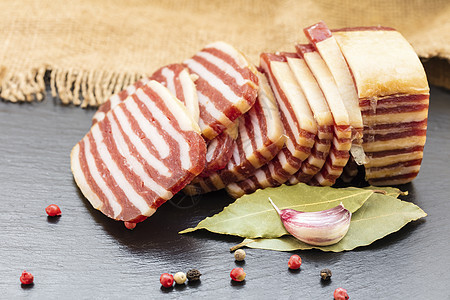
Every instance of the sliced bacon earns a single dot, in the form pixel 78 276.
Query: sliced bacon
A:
pixel 115 99
pixel 142 152
pixel 220 150
pixel 299 125
pixel 341 143
pixel 181 84
pixel 325 43
pixel 260 139
pixel 322 114
pixel 227 86
pixel 175 77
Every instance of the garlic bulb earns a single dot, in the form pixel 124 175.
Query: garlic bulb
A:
pixel 319 228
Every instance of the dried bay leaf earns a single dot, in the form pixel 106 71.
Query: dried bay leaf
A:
pixel 379 216
pixel 252 216
pixel 387 190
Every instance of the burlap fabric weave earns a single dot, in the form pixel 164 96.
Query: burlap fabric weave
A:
pixel 92 48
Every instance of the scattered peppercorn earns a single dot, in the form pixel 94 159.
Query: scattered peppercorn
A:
pixel 180 278
pixel 53 210
pixel 26 278
pixel 325 274
pixel 193 275
pixel 340 294
pixel 294 262
pixel 166 280
pixel 238 274
pixel 129 225
pixel 239 255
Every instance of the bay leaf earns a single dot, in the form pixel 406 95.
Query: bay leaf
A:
pixel 252 216
pixel 379 216
pixel 387 190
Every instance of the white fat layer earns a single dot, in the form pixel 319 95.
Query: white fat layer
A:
pixel 139 145
pixel 210 108
pixel 273 174
pixel 261 177
pixel 92 168
pixel 202 124
pixel 237 159
pixel 81 180
pixel 166 124
pixel 257 131
pixel 169 75
pixel 99 115
pixel 285 113
pixel 290 146
pixel 333 57
pixel 295 96
pixel 224 66
pixel 270 109
pixel 328 86
pixel 213 81
pixel 136 165
pixel 312 91
pixel 175 106
pixel 190 94
pixel 148 128
pixel 245 139
pixel 114 100
pixel 231 51
pixel 116 173
pixel 211 149
pixel 282 159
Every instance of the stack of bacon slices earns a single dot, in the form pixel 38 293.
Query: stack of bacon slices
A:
pixel 355 96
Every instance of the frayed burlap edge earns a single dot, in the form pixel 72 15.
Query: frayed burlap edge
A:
pixel 91 88
pixel 84 88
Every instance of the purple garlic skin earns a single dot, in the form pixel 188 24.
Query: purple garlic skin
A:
pixel 319 228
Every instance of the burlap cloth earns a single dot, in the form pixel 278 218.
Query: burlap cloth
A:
pixel 92 48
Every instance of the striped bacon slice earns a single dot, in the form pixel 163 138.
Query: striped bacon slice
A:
pixel 115 99
pixel 144 151
pixel 260 139
pixel 227 86
pixel 321 37
pixel 322 114
pixel 340 147
pixel 299 125
pixel 175 77
pixel 181 84
pixel 394 96
pixel 220 150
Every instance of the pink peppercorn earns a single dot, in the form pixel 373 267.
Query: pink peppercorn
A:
pixel 166 280
pixel 294 262
pixel 237 274
pixel 340 294
pixel 53 210
pixel 130 225
pixel 26 278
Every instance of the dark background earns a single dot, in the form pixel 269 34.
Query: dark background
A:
pixel 83 254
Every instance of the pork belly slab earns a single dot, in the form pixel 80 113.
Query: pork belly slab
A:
pixel 260 138
pixel 144 150
pixel 394 94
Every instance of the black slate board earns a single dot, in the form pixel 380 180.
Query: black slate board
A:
pixel 84 255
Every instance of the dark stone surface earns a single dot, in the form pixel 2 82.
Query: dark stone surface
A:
pixel 83 254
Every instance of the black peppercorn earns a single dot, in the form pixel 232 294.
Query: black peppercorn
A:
pixel 193 275
pixel 325 274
